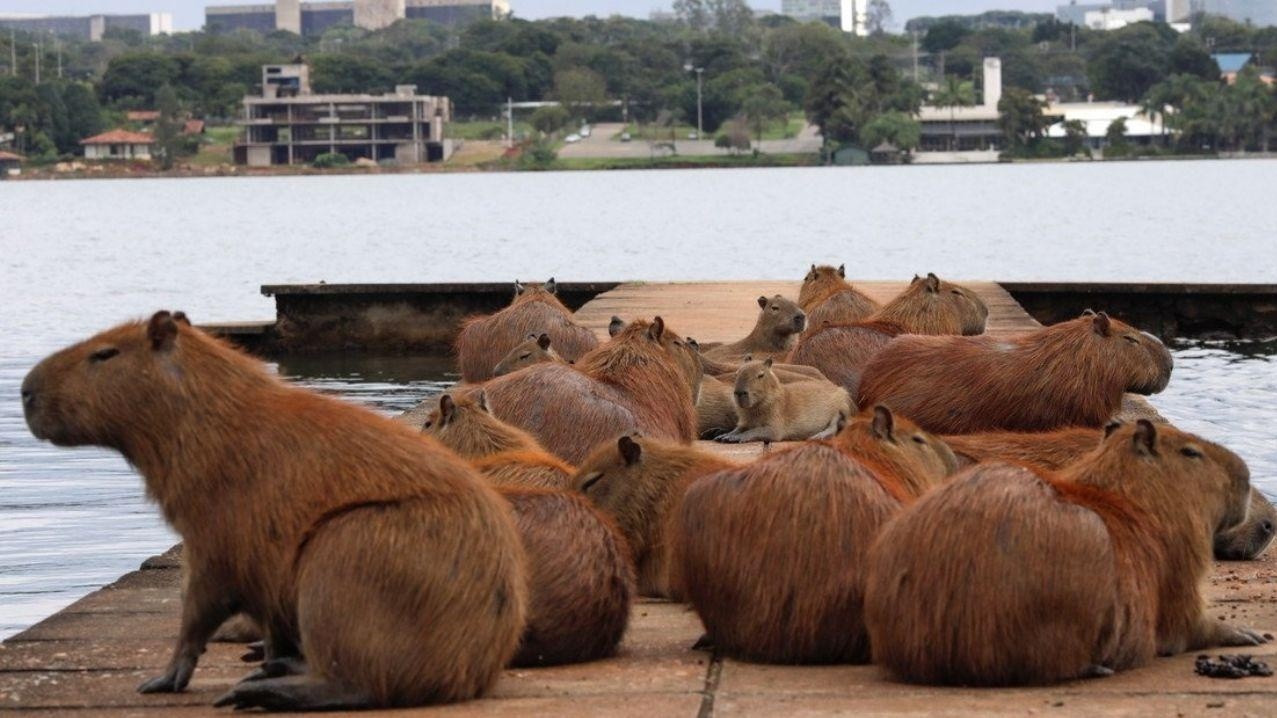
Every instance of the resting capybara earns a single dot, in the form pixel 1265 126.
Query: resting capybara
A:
pixel 715 408
pixel 580 578
pixel 484 341
pixel 933 306
pixel 842 352
pixel 779 322
pixel 1005 576
pixel 640 482
pixel 295 508
pixel 770 554
pixel 767 410
pixel 534 350
pixel 1069 374
pixel 828 298
pixel 506 456
pixel 645 379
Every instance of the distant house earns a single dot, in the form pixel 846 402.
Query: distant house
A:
pixel 118 145
pixel 10 164
pixel 1096 117
pixel 1232 63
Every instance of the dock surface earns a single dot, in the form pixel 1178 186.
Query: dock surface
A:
pixel 87 659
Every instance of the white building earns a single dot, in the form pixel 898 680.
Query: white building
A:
pixel 1098 116
pixel 118 145
pixel 849 15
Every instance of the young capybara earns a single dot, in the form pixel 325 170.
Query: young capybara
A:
pixel 1005 576
pixel 770 554
pixel 933 306
pixel 645 379
pixel 640 482
pixel 780 321
pixel 828 298
pixel 842 352
pixel 1069 374
pixel 485 341
pixel 295 508
pixel 768 410
pixel 505 455
pixel 534 350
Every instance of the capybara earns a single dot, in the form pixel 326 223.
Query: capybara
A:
pixel 645 379
pixel 1069 374
pixel 842 352
pixel 715 408
pixel 1249 539
pixel 485 341
pixel 770 555
pixel 534 350
pixel 580 578
pixel 296 509
pixel 767 410
pixel 639 482
pixel 780 321
pixel 1005 576
pixel 828 298
pixel 933 306
pixel 506 456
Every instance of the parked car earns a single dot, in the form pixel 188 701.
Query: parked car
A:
pixel 625 137
pixel 572 139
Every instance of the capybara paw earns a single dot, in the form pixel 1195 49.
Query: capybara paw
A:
pixel 704 643
pixel 276 668
pixel 256 652
pixel 1097 671
pixel 1238 636
pixel 174 681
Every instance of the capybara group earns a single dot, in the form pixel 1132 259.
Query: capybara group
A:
pixel 768 410
pixel 1007 576
pixel 485 341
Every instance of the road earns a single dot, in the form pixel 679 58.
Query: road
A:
pixel 600 143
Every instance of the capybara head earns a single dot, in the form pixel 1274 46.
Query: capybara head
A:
pixel 1142 360
pixel 933 306
pixel 756 384
pixel 465 424
pixel 1250 538
pixel 780 317
pixel 919 459
pixel 533 350
pixel 820 281
pixel 971 309
pixel 538 293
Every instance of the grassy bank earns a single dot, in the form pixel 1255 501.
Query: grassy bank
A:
pixel 685 162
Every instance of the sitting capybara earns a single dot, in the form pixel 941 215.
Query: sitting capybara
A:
pixel 640 483
pixel 842 352
pixel 828 298
pixel 1069 374
pixel 485 341
pixel 506 456
pixel 933 306
pixel 770 555
pixel 1005 576
pixel 296 508
pixel 534 350
pixel 767 410
pixel 780 321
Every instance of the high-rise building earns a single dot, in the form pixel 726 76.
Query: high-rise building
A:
pixel 848 15
pixel 313 18
pixel 89 27
pixel 1262 13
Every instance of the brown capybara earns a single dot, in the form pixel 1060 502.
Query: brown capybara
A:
pixel 534 350
pixel 645 379
pixel 485 341
pixel 768 410
pixel 580 578
pixel 933 306
pixel 715 408
pixel 1069 374
pixel 780 321
pixel 842 352
pixel 1005 576
pixel 770 554
pixel 1054 450
pixel 828 298
pixel 640 482
pixel 505 455
pixel 295 508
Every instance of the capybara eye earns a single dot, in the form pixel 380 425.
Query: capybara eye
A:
pixel 1190 452
pixel 102 355
pixel 919 440
pixel 1131 339
pixel 428 424
pixel 526 356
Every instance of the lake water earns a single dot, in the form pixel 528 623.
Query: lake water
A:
pixel 78 256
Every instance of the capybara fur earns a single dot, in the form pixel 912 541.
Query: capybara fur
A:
pixel 767 410
pixel 507 456
pixel 771 554
pixel 828 298
pixel 1069 374
pixel 534 350
pixel 1006 576
pixel 715 408
pixel 932 306
pixel 1249 539
pixel 639 482
pixel 645 379
pixel 580 578
pixel 297 509
pixel 484 341
pixel 842 352
pixel 780 321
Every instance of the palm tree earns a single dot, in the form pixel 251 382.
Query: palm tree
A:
pixel 954 93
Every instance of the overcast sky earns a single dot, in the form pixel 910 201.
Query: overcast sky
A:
pixel 189 14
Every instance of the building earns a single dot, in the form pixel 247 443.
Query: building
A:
pixel 966 129
pixel 1261 13
pixel 1232 63
pixel 119 145
pixel 89 27
pixel 848 15
pixel 313 18
pixel 290 125
pixel 1098 116
pixel 1111 15
pixel 10 164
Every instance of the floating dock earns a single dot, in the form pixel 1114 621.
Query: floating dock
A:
pixel 87 659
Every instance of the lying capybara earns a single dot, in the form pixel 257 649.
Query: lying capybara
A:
pixel 828 298
pixel 842 352
pixel 767 410
pixel 780 321
pixel 1005 576
pixel 933 306
pixel 580 578
pixel 485 341
pixel 640 482
pixel 1069 374
pixel 645 379
pixel 534 350
pixel 770 554
pixel 506 456
pixel 296 509
pixel 715 408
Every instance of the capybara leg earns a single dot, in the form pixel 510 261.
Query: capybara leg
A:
pixel 280 643
pixel 829 431
pixel 277 668
pixel 204 609
pixel 239 629
pixel 256 652
pixel 744 437
pixel 294 693
pixel 1211 632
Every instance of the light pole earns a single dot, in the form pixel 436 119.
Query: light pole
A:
pixel 700 111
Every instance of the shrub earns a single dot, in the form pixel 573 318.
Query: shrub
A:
pixel 329 160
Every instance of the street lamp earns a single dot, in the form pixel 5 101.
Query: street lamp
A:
pixel 700 112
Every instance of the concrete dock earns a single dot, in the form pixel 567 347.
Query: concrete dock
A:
pixel 87 659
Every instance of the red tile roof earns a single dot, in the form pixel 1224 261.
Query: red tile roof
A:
pixel 9 156
pixel 193 127
pixel 119 137
pixel 142 115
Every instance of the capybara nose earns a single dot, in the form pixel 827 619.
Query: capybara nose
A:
pixel 800 322
pixel 1267 527
pixel 28 398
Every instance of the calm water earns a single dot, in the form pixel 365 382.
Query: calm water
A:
pixel 78 256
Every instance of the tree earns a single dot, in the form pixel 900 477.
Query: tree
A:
pixel 763 105
pixel 954 93
pixel 550 119
pixel 1129 61
pixel 735 137
pixel 896 127
pixel 944 35
pixel 1074 137
pixel 84 114
pixel 579 90
pixel 1115 138
pixel 132 79
pixel 692 13
pixel 168 129
pixel 1190 57
pixel 349 74
pixel 1020 118
pixel 878 16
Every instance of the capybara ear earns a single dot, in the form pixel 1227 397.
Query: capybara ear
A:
pixel 842 271
pixel 518 287
pixel 551 286
pixel 1111 427
pixel 933 284
pixel 630 450
pixel 915 280
pixel 656 330
pixel 162 331
pixel 181 318
pixel 481 400
pixel 1088 312
pixel 883 425
pixel 543 341
pixel 767 362
pixel 841 423
pixel 447 409
pixel 1145 437
pixel 695 345
pixel 615 326
pixel 762 302
pixel 1102 325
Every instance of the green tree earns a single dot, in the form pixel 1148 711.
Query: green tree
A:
pixel 168 129
pixel 954 93
pixel 735 136
pixel 944 35
pixel 763 105
pixel 1131 60
pixel 1074 137
pixel 580 90
pixel 550 119
pixel 1190 57
pixel 131 80
pixel 1116 144
pixel 349 74
pixel 896 127
pixel 1020 118
pixel 84 114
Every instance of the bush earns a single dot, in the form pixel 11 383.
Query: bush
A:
pixel 539 155
pixel 329 160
